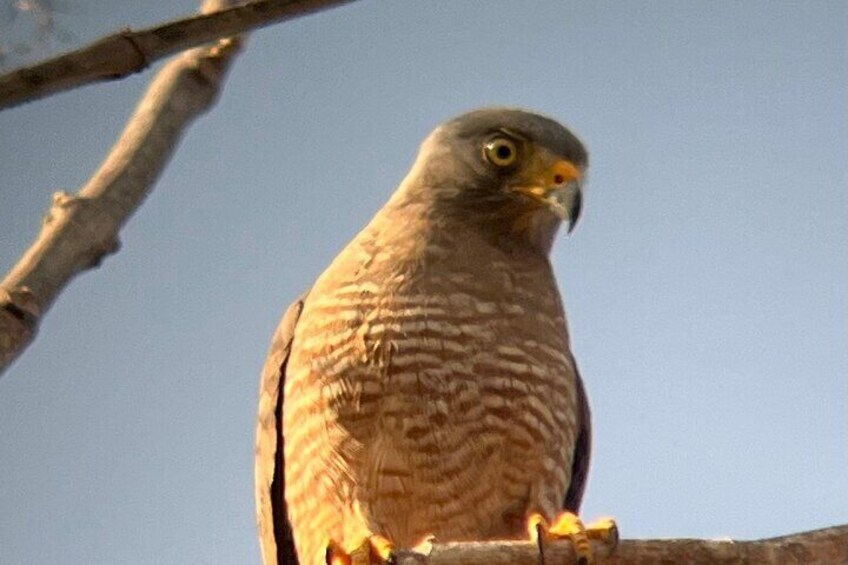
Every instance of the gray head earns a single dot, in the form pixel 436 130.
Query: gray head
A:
pixel 514 174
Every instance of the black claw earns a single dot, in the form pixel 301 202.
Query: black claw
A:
pixel 614 535
pixel 540 532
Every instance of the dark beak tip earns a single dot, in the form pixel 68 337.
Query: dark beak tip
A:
pixel 576 208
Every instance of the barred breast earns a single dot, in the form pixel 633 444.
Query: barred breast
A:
pixel 429 391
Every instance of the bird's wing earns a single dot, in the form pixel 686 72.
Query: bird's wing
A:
pixel 582 447
pixel 275 536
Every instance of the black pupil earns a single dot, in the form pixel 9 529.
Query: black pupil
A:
pixel 503 152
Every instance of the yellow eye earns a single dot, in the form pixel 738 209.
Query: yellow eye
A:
pixel 500 151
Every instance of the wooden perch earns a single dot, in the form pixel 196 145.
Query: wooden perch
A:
pixel 81 229
pixel 127 51
pixel 828 546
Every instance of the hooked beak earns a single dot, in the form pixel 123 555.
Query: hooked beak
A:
pixel 558 188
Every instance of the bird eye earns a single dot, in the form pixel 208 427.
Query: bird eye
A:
pixel 500 151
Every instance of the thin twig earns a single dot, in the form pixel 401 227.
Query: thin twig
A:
pixel 127 51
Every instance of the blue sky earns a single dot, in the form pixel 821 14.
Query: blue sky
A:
pixel 706 285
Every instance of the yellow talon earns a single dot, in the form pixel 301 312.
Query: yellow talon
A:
pixel 604 530
pixel 569 526
pixel 373 550
pixel 381 548
pixel 536 524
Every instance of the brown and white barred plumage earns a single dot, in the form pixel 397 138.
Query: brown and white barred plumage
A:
pixel 429 389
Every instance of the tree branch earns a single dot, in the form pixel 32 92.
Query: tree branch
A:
pixel 80 230
pixel 127 51
pixel 826 546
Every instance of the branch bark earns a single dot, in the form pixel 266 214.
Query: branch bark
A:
pixel 128 52
pixel 826 546
pixel 80 230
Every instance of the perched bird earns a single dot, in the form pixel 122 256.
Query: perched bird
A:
pixel 424 386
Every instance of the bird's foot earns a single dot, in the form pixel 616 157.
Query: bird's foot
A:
pixel 569 526
pixel 372 550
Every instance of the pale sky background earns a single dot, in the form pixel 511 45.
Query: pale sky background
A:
pixel 706 285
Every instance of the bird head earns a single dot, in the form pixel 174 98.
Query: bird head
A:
pixel 512 173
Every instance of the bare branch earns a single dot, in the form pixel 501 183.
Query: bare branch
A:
pixel 128 51
pixel 80 230
pixel 826 546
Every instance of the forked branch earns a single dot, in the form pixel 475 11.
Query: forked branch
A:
pixel 81 229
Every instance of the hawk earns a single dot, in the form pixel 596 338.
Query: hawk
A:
pixel 425 386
